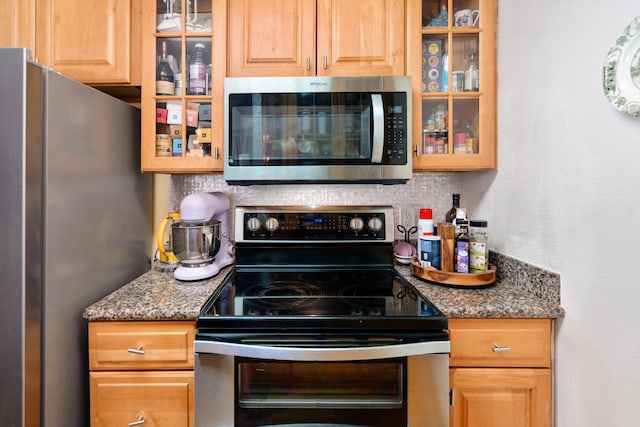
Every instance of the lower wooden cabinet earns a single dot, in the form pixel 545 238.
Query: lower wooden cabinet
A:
pixel 500 372
pixel 158 399
pixel 141 373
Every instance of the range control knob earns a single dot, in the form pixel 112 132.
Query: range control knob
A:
pixel 253 224
pixel 375 224
pixel 272 224
pixel 356 224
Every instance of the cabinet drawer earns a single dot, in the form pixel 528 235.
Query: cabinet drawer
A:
pixel 156 399
pixel 500 342
pixel 141 345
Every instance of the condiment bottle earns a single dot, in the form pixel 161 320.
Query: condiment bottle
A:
pixel 425 223
pixel 478 246
pixel 462 249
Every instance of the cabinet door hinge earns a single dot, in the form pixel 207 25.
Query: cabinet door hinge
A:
pixel 450 397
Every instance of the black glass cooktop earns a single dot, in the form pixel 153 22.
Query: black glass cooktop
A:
pixel 319 298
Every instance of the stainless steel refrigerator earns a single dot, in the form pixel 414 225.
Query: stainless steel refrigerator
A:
pixel 75 221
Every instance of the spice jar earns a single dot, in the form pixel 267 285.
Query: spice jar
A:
pixel 478 246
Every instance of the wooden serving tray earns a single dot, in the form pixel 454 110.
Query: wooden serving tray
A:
pixel 450 278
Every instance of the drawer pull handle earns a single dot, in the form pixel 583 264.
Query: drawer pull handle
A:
pixel 140 421
pixel 138 350
pixel 497 348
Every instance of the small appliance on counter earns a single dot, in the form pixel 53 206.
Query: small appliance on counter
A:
pixel 200 240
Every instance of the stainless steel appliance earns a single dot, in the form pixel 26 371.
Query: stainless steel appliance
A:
pixel 76 217
pixel 202 231
pixel 317 129
pixel 315 327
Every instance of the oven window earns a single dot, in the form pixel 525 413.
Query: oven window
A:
pixel 326 384
pixel 363 393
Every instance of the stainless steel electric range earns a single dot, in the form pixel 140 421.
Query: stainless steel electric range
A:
pixel 315 327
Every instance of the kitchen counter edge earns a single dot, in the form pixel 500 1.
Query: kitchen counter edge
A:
pixel 157 295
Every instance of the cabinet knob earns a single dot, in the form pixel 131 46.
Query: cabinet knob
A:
pixel 417 150
pixel 497 348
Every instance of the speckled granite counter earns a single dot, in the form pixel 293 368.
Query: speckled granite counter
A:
pixel 522 291
pixel 155 296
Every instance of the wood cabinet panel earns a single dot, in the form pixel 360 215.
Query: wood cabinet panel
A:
pixel 499 342
pixel 365 37
pixel 141 345
pixel 323 37
pixel 271 37
pixel 504 386
pixel 493 397
pixel 156 399
pixel 93 42
pixel 16 24
pixel 428 43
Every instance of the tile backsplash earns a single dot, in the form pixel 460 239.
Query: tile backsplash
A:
pixel 429 190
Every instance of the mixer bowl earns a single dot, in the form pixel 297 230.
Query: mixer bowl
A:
pixel 195 243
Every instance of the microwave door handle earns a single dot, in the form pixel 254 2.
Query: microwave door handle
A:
pixel 378 128
pixel 322 354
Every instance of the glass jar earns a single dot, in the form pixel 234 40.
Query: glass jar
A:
pixel 478 246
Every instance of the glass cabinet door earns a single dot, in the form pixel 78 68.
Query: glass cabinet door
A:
pixel 453 48
pixel 183 69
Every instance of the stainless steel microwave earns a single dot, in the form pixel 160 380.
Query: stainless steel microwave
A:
pixel 317 129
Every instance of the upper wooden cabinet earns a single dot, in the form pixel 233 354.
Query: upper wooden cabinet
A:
pixel 316 37
pixel 452 58
pixel 182 129
pixel 95 42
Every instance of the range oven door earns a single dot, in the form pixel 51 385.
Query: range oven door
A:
pixel 246 385
pixel 317 129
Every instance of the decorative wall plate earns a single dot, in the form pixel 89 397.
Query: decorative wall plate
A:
pixel 621 71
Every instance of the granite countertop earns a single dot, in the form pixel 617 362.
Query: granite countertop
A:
pixel 520 292
pixel 156 295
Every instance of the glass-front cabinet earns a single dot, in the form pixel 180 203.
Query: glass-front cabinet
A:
pixel 452 57
pixel 183 68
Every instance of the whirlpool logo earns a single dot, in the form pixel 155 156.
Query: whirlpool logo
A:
pixel 318 84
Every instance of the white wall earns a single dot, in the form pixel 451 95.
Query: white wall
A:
pixel 566 195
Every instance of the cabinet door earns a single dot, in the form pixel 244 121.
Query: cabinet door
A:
pixel 453 64
pixel 364 37
pixel 494 397
pixel 182 117
pixel 16 24
pixel 88 41
pixel 156 399
pixel 272 37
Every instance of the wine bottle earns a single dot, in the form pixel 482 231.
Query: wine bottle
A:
pixel 451 213
pixel 165 79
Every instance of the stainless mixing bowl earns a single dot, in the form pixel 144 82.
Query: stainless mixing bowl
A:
pixel 195 243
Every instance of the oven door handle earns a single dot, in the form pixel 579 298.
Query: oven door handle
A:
pixel 322 354
pixel 378 128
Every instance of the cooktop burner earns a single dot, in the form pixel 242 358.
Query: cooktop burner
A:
pixel 315 295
